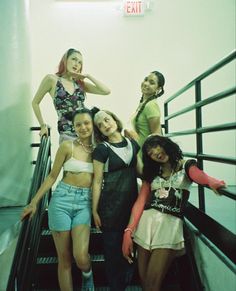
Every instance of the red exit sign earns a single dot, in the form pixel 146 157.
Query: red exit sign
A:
pixel 133 7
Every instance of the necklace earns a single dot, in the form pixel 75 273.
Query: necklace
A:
pixel 88 148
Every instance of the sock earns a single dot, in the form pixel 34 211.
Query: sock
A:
pixel 87 274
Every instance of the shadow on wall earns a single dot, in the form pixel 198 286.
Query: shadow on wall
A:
pixel 15 151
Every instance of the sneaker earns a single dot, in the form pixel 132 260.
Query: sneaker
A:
pixel 87 283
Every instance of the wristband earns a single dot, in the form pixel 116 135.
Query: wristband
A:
pixel 128 229
pixel 43 125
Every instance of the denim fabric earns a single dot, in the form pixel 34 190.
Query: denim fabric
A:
pixel 118 271
pixel 69 206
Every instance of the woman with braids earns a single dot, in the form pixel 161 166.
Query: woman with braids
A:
pixel 146 119
pixel 67 89
pixel 156 222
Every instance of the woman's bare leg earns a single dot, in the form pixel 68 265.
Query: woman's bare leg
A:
pixel 158 265
pixel 63 245
pixel 80 240
pixel 143 262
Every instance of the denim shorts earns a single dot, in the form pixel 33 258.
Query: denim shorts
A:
pixel 69 206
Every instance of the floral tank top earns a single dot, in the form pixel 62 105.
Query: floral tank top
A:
pixel 66 104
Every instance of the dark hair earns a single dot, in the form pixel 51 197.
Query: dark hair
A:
pixel 99 137
pixel 82 111
pixel 151 168
pixel 161 83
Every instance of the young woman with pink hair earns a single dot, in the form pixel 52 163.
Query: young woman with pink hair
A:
pixel 67 88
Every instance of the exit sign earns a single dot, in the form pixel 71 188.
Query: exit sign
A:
pixel 132 8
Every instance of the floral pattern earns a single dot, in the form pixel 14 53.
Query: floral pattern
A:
pixel 66 104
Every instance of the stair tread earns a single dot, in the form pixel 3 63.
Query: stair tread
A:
pixel 47 232
pixel 101 288
pixel 54 260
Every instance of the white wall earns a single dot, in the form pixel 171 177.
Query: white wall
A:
pixel 180 38
pixel 15 96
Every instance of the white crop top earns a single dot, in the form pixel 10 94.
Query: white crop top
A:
pixel 74 165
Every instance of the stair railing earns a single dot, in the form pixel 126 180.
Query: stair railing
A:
pixel 26 249
pixel 218 238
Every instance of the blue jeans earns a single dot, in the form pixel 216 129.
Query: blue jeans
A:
pixel 69 206
pixel 118 271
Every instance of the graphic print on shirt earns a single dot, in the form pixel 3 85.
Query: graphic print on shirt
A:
pixel 171 195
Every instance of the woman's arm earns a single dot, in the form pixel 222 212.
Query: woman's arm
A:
pixel 48 182
pixel 153 114
pixel 96 87
pixel 154 124
pixel 44 88
pixel 200 177
pixel 136 213
pixel 96 190
pixel 139 167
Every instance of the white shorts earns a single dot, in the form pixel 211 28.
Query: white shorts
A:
pixel 159 230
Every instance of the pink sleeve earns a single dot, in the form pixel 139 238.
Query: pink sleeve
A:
pixel 136 213
pixel 200 177
pixel 139 205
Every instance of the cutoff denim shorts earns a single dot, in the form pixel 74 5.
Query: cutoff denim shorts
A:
pixel 69 206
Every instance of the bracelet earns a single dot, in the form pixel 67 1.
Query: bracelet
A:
pixel 128 229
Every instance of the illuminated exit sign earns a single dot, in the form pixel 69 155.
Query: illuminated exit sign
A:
pixel 132 8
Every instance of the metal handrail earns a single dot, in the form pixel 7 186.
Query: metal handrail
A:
pixel 24 257
pixel 199 130
pixel 203 103
pixel 217 234
pixel 208 72
pixel 210 228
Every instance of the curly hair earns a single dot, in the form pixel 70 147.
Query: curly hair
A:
pixel 161 83
pixel 152 168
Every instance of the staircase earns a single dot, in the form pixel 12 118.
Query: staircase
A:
pixel 45 277
pixel 45 273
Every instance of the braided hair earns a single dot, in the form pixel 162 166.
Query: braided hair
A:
pixel 161 82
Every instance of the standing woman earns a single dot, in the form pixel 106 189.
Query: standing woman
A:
pixel 158 230
pixel 69 210
pixel 114 193
pixel 147 118
pixel 67 89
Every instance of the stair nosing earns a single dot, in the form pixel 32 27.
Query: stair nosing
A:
pixel 54 260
